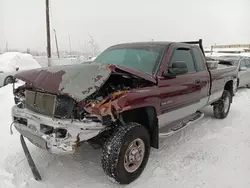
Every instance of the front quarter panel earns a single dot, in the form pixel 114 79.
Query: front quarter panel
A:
pixel 138 98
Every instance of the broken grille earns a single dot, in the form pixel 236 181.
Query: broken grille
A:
pixel 39 102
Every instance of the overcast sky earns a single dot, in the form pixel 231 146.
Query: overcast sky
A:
pixel 22 22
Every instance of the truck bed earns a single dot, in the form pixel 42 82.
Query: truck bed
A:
pixel 219 77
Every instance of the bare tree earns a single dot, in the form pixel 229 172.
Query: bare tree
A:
pixel 95 50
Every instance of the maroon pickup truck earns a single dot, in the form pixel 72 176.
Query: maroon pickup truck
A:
pixel 122 102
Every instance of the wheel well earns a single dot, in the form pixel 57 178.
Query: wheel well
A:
pixel 8 77
pixel 147 117
pixel 229 87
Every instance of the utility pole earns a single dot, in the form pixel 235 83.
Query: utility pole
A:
pixel 56 44
pixel 48 33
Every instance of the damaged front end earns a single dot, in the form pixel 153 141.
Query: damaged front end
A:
pixel 58 108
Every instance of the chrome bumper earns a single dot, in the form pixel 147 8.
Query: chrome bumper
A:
pixel 29 124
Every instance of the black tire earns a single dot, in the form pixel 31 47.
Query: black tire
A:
pixel 220 109
pixel 114 149
pixel 8 80
pixel 248 86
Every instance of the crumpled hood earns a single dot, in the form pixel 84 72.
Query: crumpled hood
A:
pixel 77 81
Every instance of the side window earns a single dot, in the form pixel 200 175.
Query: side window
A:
pixel 199 59
pixel 247 61
pixel 185 56
pixel 242 63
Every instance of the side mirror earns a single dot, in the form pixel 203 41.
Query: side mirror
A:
pixel 177 68
pixel 168 74
pixel 243 69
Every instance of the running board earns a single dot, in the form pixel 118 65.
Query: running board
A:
pixel 177 126
pixel 32 165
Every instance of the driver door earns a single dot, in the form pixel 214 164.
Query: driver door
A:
pixel 179 95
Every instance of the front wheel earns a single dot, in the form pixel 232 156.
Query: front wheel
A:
pixel 125 153
pixel 221 108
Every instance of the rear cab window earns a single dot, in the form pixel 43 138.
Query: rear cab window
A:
pixel 199 59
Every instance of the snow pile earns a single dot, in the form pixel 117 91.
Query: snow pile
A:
pixel 9 61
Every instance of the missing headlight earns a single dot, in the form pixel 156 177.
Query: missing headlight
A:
pixel 60 133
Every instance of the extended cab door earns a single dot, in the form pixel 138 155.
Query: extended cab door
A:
pixel 181 95
pixel 202 75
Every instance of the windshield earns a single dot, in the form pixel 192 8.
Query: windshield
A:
pixel 142 58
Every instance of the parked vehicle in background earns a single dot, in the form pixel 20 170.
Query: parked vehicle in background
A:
pixel 243 67
pixel 11 62
pixel 8 68
pixel 6 77
pixel 122 101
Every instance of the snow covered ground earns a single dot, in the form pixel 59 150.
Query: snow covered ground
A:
pixel 211 153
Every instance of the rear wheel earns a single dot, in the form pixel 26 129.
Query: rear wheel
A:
pixel 8 80
pixel 125 153
pixel 221 108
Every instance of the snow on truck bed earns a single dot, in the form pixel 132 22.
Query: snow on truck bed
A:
pixel 210 153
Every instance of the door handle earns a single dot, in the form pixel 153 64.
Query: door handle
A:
pixel 197 82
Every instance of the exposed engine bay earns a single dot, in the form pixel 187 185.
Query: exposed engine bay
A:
pixel 100 102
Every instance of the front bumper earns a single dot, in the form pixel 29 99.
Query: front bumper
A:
pixel 31 125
